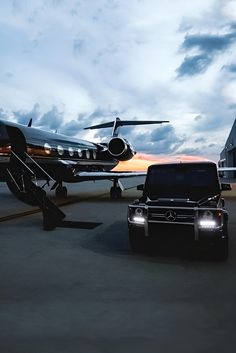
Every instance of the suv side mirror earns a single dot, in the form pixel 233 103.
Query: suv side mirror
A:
pixel 225 187
pixel 140 187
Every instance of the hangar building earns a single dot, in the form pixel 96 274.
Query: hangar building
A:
pixel 228 155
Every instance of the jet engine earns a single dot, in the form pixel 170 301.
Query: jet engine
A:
pixel 120 149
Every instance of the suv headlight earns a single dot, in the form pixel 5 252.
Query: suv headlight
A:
pixel 137 215
pixel 209 219
pixel 138 212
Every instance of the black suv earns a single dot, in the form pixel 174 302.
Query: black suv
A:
pixel 181 201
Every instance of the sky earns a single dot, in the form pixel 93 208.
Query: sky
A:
pixel 69 64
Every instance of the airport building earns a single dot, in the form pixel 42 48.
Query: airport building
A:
pixel 228 155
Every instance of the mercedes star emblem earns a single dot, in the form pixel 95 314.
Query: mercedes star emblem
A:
pixel 170 216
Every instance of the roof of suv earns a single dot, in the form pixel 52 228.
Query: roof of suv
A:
pixel 184 163
pixel 192 180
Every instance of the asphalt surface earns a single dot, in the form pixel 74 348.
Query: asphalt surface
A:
pixel 79 290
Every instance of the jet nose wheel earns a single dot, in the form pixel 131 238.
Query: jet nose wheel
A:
pixel 61 192
pixel 115 193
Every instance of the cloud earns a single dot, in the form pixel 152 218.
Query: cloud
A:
pixel 71 128
pixel 8 75
pixel 189 158
pixel 217 114
pixel 232 106
pixel 51 119
pixel 198 117
pixel 208 47
pixel 231 68
pixel 23 116
pixel 210 43
pixel 229 9
pixel 191 151
pixel 204 150
pixel 78 46
pixel 162 140
pixel 86 64
pixel 193 65
pixel 200 139
pixel 4 115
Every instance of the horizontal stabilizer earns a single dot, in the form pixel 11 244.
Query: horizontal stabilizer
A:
pixel 126 123
pixel 117 123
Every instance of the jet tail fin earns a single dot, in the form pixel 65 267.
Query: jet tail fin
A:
pixel 117 123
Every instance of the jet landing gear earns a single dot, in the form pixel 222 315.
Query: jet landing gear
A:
pixel 115 191
pixel 61 192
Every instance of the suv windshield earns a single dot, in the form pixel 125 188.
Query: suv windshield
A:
pixel 184 180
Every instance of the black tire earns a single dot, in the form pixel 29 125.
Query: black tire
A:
pixel 112 193
pixel 115 193
pixel 221 250
pixel 119 193
pixel 137 240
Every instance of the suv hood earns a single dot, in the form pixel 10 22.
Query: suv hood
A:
pixel 211 200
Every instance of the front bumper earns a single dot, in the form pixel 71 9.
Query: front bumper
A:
pixel 186 224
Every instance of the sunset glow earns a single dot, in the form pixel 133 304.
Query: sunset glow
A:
pixel 141 161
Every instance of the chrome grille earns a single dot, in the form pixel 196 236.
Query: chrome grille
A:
pixel 171 215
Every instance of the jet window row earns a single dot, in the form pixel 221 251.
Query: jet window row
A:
pixel 72 152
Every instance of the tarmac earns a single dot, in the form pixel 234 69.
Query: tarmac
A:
pixel 83 290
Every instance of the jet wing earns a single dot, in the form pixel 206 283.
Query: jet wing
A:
pixel 225 169
pixel 109 175
pixel 87 176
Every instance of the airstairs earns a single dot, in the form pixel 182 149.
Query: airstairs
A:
pixel 21 180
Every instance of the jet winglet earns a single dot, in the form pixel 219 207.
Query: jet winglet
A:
pixel 118 123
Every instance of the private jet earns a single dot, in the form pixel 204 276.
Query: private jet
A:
pixel 28 152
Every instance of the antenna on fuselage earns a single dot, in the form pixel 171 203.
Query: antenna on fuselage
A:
pixel 30 122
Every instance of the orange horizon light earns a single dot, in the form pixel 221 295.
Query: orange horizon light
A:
pixel 141 161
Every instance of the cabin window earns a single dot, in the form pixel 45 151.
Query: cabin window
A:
pixel 80 153
pixel 87 154
pixel 71 151
pixel 47 148
pixel 60 150
pixel 94 154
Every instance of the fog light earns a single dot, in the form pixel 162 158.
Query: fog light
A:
pixel 207 223
pixel 138 219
